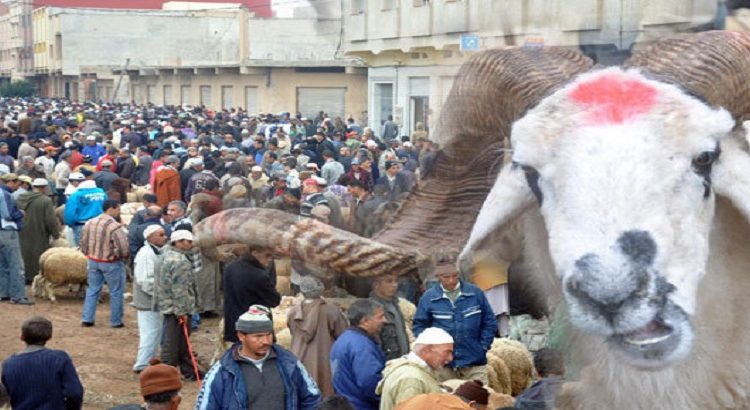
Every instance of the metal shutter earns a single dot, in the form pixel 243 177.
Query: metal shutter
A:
pixel 311 100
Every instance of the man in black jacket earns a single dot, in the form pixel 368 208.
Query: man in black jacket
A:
pixel 250 280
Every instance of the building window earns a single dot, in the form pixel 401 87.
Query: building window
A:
pixel 387 5
pixel 167 95
pixel 205 97
pixel 184 94
pixel 420 3
pixel 226 97
pixel 251 100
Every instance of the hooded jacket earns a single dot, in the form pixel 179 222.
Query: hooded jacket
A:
pixel 86 203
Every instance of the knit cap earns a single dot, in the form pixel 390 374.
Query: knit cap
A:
pixel 473 390
pixel 257 319
pixel 159 378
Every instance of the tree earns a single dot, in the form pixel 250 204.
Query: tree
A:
pixel 21 88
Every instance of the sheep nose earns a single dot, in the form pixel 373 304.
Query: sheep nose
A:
pixel 638 246
pixel 605 291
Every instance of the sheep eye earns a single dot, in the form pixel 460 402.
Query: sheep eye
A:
pixel 705 159
pixel 702 166
pixel 532 179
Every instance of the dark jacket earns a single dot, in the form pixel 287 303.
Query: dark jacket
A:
pixel 224 387
pixel 104 179
pixel 135 234
pixel 125 167
pixel 394 340
pixel 246 283
pixel 397 188
pixel 470 321
pixel 357 364
pixel 541 395
pixel 142 171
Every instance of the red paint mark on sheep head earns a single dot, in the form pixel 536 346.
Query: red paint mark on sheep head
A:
pixel 614 98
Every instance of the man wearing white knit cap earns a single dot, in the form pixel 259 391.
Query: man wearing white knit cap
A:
pixel 257 373
pixel 413 374
pixel 150 320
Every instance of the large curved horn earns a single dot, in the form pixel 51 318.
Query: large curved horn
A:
pixel 492 90
pixel 713 65
pixel 306 239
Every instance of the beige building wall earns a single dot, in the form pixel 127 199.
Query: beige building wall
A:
pixel 261 90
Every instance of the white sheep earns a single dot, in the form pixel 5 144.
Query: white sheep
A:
pixel 59 266
pixel 635 199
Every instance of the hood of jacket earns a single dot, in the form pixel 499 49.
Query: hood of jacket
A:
pixel 25 199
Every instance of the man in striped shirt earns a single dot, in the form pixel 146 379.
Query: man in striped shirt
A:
pixel 105 244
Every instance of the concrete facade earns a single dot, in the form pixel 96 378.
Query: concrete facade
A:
pixel 414 47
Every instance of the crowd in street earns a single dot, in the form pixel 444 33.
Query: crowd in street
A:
pixel 66 169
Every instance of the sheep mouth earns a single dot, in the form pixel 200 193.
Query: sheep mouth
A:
pixel 659 343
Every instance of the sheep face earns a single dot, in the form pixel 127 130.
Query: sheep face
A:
pixel 621 167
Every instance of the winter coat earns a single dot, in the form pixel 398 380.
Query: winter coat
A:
pixel 224 387
pixel 404 378
pixel 246 283
pixel 470 321
pixel 357 364
pixel 167 186
pixel 314 326
pixel 41 225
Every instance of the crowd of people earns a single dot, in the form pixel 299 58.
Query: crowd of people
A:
pixel 81 162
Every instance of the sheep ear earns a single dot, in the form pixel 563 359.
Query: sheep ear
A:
pixel 731 175
pixel 509 197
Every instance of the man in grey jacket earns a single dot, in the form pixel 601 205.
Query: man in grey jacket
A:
pixel 149 320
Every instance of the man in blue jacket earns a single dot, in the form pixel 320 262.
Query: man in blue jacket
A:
pixel 462 310
pixel 85 203
pixel 357 360
pixel 256 373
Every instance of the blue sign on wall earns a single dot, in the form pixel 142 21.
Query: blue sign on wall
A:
pixel 469 42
